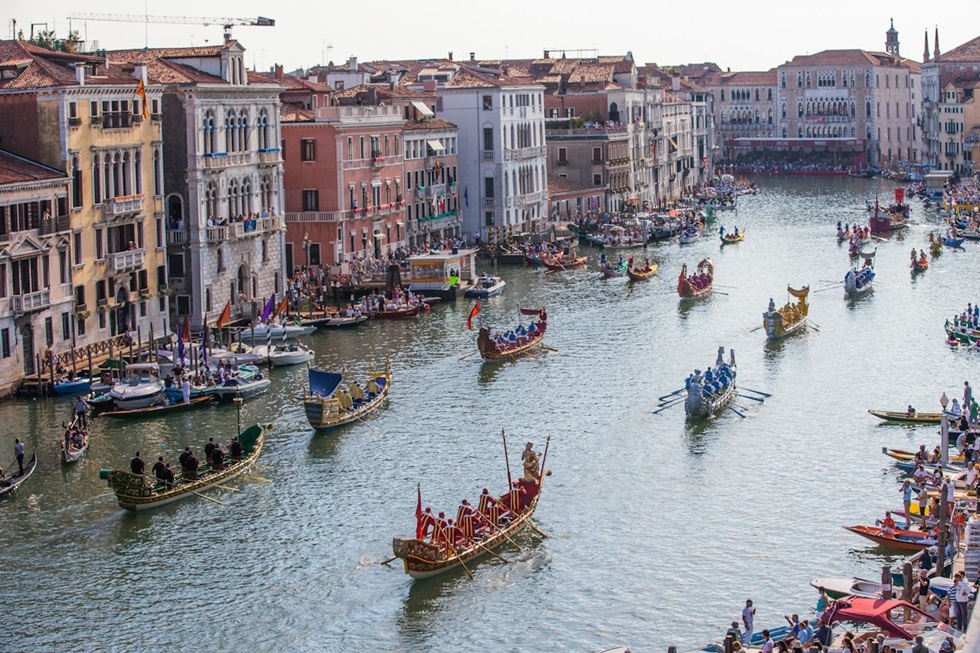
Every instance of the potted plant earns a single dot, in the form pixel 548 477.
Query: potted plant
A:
pixel 83 314
pixel 144 294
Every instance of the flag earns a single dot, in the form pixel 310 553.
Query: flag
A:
pixel 269 306
pixel 418 515
pixel 204 342
pixel 225 315
pixel 473 313
pixel 180 350
pixel 185 331
pixel 141 92
pixel 282 308
pixel 466 196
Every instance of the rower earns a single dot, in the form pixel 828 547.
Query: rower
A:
pixel 160 469
pixel 136 465
pixel 910 413
pixel 371 387
pixel 235 449
pixel 356 393
pixel 427 525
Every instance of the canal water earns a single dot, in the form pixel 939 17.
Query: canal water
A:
pixel 657 531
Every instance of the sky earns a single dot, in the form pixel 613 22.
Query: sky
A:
pixel 754 35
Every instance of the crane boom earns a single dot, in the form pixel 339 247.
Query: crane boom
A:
pixel 176 20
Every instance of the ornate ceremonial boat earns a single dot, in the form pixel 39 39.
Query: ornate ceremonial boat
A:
pixel 712 390
pixel 445 550
pixel 698 285
pixel 141 492
pixel 790 318
pixel 640 274
pixel 10 482
pixel 557 265
pixel 514 343
pixel 327 407
pixel 857 281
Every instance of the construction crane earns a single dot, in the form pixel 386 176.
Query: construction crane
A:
pixel 226 23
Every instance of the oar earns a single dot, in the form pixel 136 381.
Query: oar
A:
pixel 757 328
pixel 814 325
pixel 487 549
pixel 722 286
pixel 828 281
pixel 535 528
pixel 463 565
pixel 663 408
pixel 675 392
pixel 752 398
pixel 736 412
pixel 391 559
pixel 204 496
pixel 758 392
pixel 501 531
pixel 258 478
pixel 225 487
pixel 467 355
pixel 718 292
pixel 548 348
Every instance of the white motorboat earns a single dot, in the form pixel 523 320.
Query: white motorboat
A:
pixel 261 353
pixel 141 387
pixel 277 331
pixel 239 387
pixel 290 353
pixel 486 286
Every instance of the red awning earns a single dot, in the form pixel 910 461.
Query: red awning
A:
pixel 872 611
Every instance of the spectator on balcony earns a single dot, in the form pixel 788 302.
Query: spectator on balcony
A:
pixel 132 246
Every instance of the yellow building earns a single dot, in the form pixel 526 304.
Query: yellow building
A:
pixel 75 113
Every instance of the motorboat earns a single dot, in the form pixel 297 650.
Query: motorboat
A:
pixel 244 388
pixel 486 286
pixel 278 331
pixel 141 387
pixel 290 353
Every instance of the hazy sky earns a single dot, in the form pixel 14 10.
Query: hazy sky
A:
pixel 754 35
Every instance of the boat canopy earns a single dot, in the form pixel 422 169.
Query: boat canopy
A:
pixel 324 383
pixel 532 311
pixel 799 294
pixel 872 611
pixel 142 367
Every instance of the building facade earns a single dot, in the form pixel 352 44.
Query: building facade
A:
pixel 225 231
pixel 79 114
pixel 951 120
pixel 744 106
pixel 36 295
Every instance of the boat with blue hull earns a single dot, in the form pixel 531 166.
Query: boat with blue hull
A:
pixel 329 406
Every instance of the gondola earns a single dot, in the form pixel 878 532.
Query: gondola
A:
pixel 327 409
pixel 154 411
pixel 10 482
pixel 790 318
pixel 558 265
pixel 400 313
pixel 709 392
pixel 516 342
pixel 917 418
pixel 730 239
pixel 450 547
pixel 640 274
pixel 698 285
pixel 140 492
pixel 70 451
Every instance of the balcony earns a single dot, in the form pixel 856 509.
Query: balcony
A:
pixel 487 155
pixel 176 237
pixel 437 218
pixel 434 190
pixel 217 234
pixel 522 154
pixel 128 260
pixel 489 202
pixel 32 301
pixel 221 160
pixel 375 163
pixel 54 225
pixel 121 206
pixel 318 216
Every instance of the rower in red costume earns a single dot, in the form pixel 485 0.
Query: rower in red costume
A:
pixel 440 534
pixel 453 534
pixel 489 508
pixel 464 519
pixel 427 525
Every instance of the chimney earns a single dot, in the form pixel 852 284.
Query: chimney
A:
pixel 139 72
pixel 547 54
pixel 450 55
pixel 352 64
pixel 372 96
pixel 675 83
pixel 472 56
pixel 277 71
pixel 429 85
pixel 80 74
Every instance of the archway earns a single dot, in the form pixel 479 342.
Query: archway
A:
pixel 175 210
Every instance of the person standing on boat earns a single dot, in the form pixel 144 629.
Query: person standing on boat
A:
pixel 967 394
pixel 160 469
pixel 209 449
pixel 80 412
pixel 748 617
pixel 963 591
pixel 136 465
pixel 907 502
pixel 185 390
pixel 19 452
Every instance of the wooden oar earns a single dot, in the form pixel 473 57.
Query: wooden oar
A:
pixel 391 559
pixel 257 478
pixel 718 292
pixel 467 355
pixel 758 392
pixel 827 288
pixel 548 348
pixel 752 398
pixel 225 487
pixel 487 549
pixel 204 496
pixel 463 565
pixel 757 328
pixel 813 324
pixel 535 528
pixel 663 408
pixel 501 531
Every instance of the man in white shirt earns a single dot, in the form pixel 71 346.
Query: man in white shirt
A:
pixel 963 591
pixel 748 616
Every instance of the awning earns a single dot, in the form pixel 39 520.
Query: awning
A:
pixel 435 145
pixel 672 141
pixel 422 108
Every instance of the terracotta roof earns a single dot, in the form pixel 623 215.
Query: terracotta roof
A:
pixel 431 123
pixel 968 52
pixel 561 185
pixel 384 91
pixel 743 78
pixel 468 79
pixel 18 170
pixel 290 113
pixel 41 68
pixel 173 53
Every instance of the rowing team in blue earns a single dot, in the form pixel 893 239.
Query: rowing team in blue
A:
pixel 712 380
pixel 516 337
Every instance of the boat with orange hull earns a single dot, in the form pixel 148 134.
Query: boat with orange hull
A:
pixel 908 540
pixel 557 265
pixel 515 342
pixel 640 274
pixel 449 546
pixel 699 284
pixel 920 264
pixel 400 313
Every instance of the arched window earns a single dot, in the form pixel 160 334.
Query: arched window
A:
pixel 230 131
pixel 770 95
pixel 247 196
pixel 138 173
pixel 157 172
pixel 266 192
pixel 211 200
pixel 208 133
pixel 243 125
pixel 234 201
pixel 97 179
pixel 76 183
pixel 262 129
pixel 243 285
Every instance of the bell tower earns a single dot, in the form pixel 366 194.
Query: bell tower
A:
pixel 891 40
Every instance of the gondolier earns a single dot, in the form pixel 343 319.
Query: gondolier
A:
pixel 19 452
pixel 80 407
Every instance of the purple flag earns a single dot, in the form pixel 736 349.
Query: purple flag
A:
pixel 180 351
pixel 204 345
pixel 269 307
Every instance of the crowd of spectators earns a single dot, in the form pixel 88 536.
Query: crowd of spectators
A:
pixel 780 162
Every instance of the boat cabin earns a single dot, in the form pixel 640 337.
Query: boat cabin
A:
pixel 446 274
pixel 936 181
pixel 140 371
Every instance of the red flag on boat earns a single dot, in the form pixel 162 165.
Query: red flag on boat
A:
pixel 283 305
pixel 473 313
pixel 418 516
pixel 185 331
pixel 225 315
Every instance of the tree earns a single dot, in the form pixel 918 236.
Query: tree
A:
pixel 49 39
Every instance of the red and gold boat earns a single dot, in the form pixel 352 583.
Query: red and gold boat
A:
pixel 515 342
pixel 440 547
pixel 558 265
pixel 699 284
pixel 640 274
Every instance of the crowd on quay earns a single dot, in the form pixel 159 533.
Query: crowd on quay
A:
pixel 777 162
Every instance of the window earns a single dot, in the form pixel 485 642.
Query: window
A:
pixel 487 217
pixel 99 245
pixel 311 200
pixel 183 304
pixel 596 154
pixel 5 342
pixel 338 85
pixel 487 102
pixel 77 247
pixel 157 173
pixel 562 156
pixel 48 331
pixel 597 179
pixel 488 138
pixel 308 149
pixel 65 326
pixel 314 254
pixel 221 259
pixel 76 183
pixel 488 187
